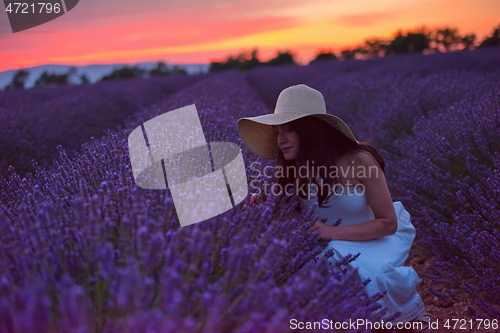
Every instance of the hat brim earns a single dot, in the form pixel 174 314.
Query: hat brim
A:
pixel 258 134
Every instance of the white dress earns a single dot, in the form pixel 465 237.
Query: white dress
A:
pixel 382 259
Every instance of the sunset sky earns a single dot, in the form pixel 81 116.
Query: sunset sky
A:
pixel 200 31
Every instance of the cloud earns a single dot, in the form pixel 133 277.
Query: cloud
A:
pixel 143 38
pixel 97 11
pixel 147 34
pixel 363 20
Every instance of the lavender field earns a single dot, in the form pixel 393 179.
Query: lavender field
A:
pixel 35 121
pixel 83 249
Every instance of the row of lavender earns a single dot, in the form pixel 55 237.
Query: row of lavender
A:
pixel 35 121
pixel 450 172
pixel 269 82
pixel 437 121
pixel 83 249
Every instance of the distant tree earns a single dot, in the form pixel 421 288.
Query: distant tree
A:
pixel 468 41
pixel 178 70
pixel 162 69
pixel 376 46
pixel 412 42
pixel 494 40
pixel 218 66
pixel 281 58
pixel 447 38
pixel 221 66
pixel 243 61
pixel 398 45
pixel 323 55
pixel 417 42
pixel 84 79
pixel 125 72
pixel 361 50
pixel 246 63
pixel 348 53
pixel 48 80
pixel 18 80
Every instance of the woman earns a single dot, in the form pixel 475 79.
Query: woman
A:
pixel 344 180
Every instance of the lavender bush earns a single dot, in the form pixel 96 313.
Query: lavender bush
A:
pixel 450 173
pixel 35 121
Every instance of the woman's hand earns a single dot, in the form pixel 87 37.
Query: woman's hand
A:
pixel 325 231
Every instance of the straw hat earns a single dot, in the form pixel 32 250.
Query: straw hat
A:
pixel 294 102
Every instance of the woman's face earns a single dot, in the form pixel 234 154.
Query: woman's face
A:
pixel 288 141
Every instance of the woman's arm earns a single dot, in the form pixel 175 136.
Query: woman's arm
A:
pixel 378 197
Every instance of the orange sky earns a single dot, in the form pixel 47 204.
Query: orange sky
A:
pixel 200 31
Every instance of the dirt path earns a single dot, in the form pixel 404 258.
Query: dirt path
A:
pixel 441 309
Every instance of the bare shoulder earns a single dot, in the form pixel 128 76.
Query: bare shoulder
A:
pixel 365 158
pixel 359 158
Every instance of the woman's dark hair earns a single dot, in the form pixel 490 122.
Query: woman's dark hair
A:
pixel 320 144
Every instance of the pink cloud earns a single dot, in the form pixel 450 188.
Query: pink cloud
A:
pixel 113 38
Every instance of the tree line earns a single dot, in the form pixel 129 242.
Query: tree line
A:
pixel 125 72
pixel 421 39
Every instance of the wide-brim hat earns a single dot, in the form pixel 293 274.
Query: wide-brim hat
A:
pixel 293 103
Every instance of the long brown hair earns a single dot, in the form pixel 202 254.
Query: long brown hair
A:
pixel 320 144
